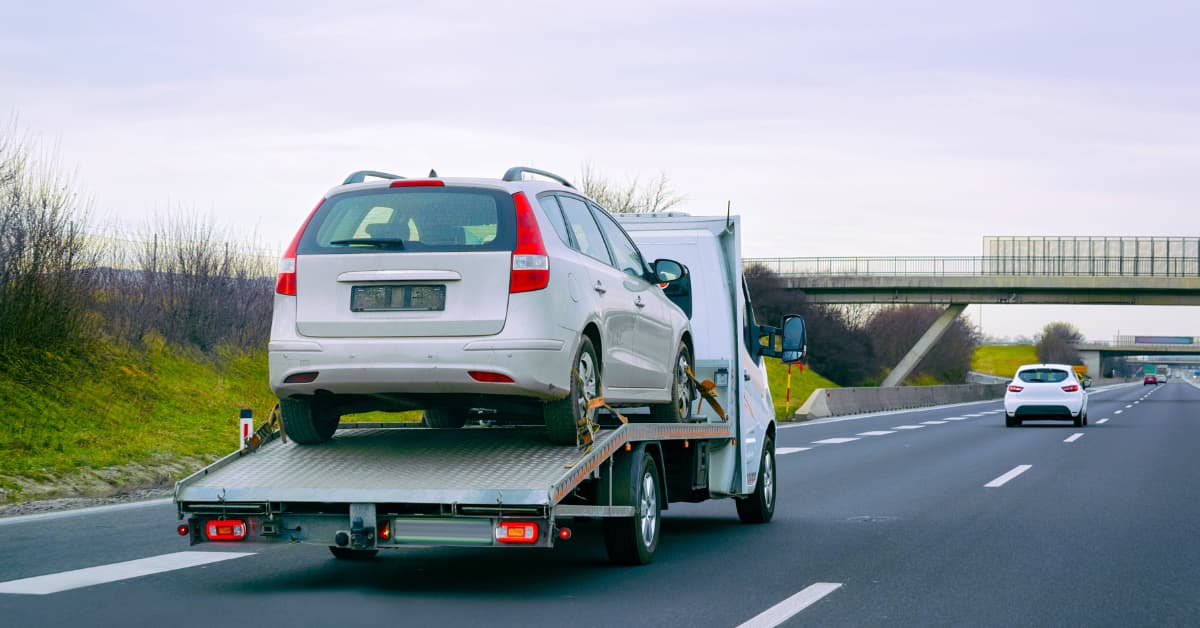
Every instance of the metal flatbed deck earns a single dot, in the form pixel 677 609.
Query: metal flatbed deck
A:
pixel 477 465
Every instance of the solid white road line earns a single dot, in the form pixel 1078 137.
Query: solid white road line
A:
pixel 1101 421
pixel 933 422
pixel 1002 480
pixel 783 451
pixel 67 580
pixel 1118 412
pixel 908 427
pixel 877 433
pixel 784 610
pixel 1073 437
pixel 833 441
pixel 63 514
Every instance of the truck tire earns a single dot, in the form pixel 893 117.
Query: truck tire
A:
pixel 345 553
pixel 759 507
pixel 633 540
pixel 445 417
pixel 308 421
pixel 562 416
pixel 683 392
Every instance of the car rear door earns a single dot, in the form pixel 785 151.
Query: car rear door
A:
pixel 406 262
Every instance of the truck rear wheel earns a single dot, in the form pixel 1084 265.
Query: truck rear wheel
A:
pixel 445 417
pixel 562 417
pixel 683 392
pixel 308 421
pixel 633 540
pixel 759 507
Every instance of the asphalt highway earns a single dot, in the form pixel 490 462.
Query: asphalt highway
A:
pixel 937 517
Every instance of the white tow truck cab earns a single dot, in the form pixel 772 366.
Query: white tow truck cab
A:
pixel 383 486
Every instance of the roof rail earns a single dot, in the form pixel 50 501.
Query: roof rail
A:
pixel 361 175
pixel 514 174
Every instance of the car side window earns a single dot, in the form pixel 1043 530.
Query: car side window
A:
pixel 550 206
pixel 625 252
pixel 583 229
pixel 748 324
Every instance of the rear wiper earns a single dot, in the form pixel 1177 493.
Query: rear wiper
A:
pixel 379 242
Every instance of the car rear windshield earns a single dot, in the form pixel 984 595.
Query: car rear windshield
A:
pixel 1042 376
pixel 412 220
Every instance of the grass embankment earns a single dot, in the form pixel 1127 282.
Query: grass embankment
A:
pixel 803 383
pixel 1002 360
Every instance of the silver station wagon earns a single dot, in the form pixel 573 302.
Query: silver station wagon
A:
pixel 512 299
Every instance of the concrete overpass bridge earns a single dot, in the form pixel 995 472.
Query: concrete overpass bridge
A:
pixel 1174 353
pixel 1013 270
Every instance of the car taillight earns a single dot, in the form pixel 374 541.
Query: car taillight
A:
pixel 285 282
pixel 517 532
pixel 1071 388
pixel 530 264
pixel 1015 388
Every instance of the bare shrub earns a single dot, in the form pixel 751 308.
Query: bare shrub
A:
pixel 894 331
pixel 1057 344
pixel 631 197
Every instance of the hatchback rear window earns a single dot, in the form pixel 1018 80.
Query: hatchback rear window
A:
pixel 415 220
pixel 1042 376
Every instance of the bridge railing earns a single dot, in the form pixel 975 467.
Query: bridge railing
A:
pixel 1086 266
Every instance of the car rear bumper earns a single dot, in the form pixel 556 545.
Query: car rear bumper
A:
pixel 539 368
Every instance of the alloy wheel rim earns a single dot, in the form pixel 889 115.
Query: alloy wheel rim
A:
pixel 587 376
pixel 649 516
pixel 768 479
pixel 683 399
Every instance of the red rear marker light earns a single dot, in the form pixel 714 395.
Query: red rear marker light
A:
pixel 285 282
pixel 385 530
pixel 301 378
pixel 183 529
pixel 488 376
pixel 564 534
pixel 225 530
pixel 1015 388
pixel 1071 388
pixel 517 532
pixel 530 264
pixel 417 183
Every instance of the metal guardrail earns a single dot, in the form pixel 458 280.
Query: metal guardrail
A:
pixel 1082 266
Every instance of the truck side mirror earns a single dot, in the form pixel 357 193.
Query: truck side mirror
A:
pixel 795 339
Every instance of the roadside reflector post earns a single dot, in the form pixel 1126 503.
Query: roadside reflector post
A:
pixel 246 427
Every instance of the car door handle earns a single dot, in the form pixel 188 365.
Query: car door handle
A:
pixel 599 287
pixel 638 302
pixel 746 375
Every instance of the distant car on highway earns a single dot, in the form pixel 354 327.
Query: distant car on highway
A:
pixel 1150 379
pixel 1045 392
pixel 1160 378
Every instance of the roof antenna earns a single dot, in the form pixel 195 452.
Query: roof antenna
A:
pixel 432 173
pixel 728 216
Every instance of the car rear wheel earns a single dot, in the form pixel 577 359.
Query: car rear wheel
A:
pixel 1012 421
pixel 562 417
pixel 308 421
pixel 683 392
pixel 445 417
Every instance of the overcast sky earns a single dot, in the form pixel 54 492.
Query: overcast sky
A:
pixel 839 128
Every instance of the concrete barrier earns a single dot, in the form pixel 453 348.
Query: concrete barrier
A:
pixel 827 402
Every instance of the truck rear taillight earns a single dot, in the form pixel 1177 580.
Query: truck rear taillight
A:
pixel 1015 388
pixel 517 532
pixel 225 530
pixel 530 264
pixel 285 282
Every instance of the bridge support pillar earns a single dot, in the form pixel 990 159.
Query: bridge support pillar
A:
pixel 919 350
pixel 1091 360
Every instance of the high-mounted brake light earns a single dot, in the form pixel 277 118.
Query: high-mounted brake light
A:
pixel 530 264
pixel 488 376
pixel 517 532
pixel 1071 388
pixel 417 183
pixel 1015 388
pixel 225 530
pixel 285 282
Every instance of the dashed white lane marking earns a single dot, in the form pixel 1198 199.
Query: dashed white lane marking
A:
pixel 1101 421
pixel 1118 412
pixel 1073 437
pixel 956 418
pixel 1136 402
pixel 833 441
pixel 908 427
pixel 975 415
pixel 783 451
pixel 877 433
pixel 784 610
pixel 1002 480
pixel 1129 405
pixel 933 422
pixel 91 576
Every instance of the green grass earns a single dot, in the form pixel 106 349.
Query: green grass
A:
pixel 803 383
pixel 1002 360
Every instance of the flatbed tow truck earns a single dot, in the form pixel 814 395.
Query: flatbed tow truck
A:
pixel 383 486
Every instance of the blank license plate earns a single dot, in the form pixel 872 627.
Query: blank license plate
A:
pixel 397 298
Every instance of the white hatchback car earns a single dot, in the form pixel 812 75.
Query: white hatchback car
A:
pixel 1045 392
pixel 468 298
